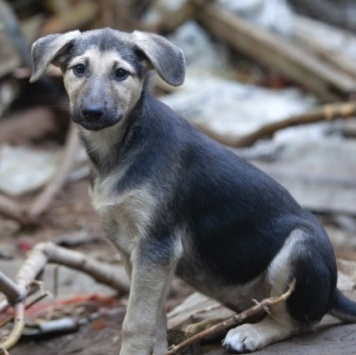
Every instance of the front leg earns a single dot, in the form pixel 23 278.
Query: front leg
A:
pixel 150 279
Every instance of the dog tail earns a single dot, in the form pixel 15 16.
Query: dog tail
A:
pixel 343 308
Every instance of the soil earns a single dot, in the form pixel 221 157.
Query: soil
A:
pixel 100 334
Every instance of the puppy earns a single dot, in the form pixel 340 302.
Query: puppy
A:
pixel 174 201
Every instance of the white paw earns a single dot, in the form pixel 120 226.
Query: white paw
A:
pixel 245 338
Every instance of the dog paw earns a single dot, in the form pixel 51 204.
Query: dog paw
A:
pixel 244 339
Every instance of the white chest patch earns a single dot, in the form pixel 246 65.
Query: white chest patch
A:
pixel 103 193
pixel 126 216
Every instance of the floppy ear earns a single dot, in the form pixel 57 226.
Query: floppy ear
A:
pixel 45 50
pixel 166 58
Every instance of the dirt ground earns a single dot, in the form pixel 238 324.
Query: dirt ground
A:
pixel 100 334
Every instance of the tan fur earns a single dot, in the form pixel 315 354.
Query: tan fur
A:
pixel 132 213
pixel 125 93
pixel 279 270
pixel 145 313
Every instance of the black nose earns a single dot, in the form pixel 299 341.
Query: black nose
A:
pixel 93 113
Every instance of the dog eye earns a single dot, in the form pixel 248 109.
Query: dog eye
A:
pixel 121 74
pixel 79 69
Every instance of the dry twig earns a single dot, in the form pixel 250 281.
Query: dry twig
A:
pixel 44 253
pixel 11 209
pixel 234 320
pixel 323 113
pixel 10 289
pixel 45 198
pixel 16 331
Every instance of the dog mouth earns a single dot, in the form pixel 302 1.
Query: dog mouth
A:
pixel 96 125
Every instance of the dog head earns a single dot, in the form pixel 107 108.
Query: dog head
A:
pixel 104 70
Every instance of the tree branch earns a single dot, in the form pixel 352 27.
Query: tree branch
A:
pixel 10 289
pixel 12 209
pixel 16 332
pixel 323 113
pixel 44 253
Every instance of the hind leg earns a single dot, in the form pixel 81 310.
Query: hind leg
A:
pixel 307 257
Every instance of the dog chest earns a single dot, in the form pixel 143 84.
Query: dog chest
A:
pixel 125 216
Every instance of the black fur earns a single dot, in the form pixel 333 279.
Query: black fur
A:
pixel 238 216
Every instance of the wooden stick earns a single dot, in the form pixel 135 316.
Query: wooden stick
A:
pixel 322 113
pixel 44 253
pixel 40 205
pixel 326 81
pixel 234 320
pixel 99 271
pixel 13 210
pixel 10 289
pixel 16 331
pixel 4 306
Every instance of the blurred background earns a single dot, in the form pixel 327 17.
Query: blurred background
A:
pixel 273 80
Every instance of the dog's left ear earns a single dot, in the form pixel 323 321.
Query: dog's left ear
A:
pixel 166 58
pixel 46 49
